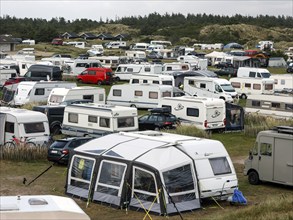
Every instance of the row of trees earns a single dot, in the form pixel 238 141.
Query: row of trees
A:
pixel 172 26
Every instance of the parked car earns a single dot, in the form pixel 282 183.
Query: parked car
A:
pixel 96 75
pixel 227 71
pixel 290 68
pixel 61 149
pixel 157 119
pixel 223 64
pixel 154 55
pixel 14 80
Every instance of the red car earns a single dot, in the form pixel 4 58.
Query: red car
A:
pixel 14 80
pixel 96 75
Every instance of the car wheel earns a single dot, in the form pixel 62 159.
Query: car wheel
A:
pixel 79 81
pixel 253 178
pixel 99 83
pixel 133 106
pixel 243 96
pixel 222 98
pixel 157 129
pixel 56 130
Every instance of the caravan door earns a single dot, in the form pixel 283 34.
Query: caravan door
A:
pixel 2 126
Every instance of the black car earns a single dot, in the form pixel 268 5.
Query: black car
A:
pixel 223 64
pixel 60 150
pixel 227 71
pixel 290 68
pixel 158 118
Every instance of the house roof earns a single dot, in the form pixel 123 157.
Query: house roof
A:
pixel 71 34
pixel 89 35
pixel 105 35
pixel 7 39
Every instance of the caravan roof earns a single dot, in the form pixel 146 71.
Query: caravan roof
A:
pixel 24 115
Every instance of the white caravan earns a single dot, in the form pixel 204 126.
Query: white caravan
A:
pixel 138 95
pixel 132 54
pixel 161 42
pixel 252 86
pixel 23 123
pixel 170 68
pixel 107 61
pixel 125 71
pixel 203 113
pixel 91 119
pixel 28 91
pixel 40 207
pixel 194 61
pixel 143 78
pixel 116 44
pixel 253 72
pixel 5 74
pixel 96 50
pixel 75 67
pixel 282 81
pixel 59 95
pixel 210 88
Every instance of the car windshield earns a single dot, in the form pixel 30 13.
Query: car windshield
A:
pixel 227 88
pixel 171 118
pixel 59 144
pixel 265 75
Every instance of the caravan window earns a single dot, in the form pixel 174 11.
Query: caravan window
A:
pixel 125 122
pixel 202 85
pixel 56 98
pixel 81 172
pixel 247 85
pixel 135 81
pixel 147 69
pixel 289 106
pixel 138 93
pixel 73 117
pixel 268 86
pixel 130 70
pixel 89 97
pixel 191 82
pixel 236 84
pixel 166 94
pixel 117 92
pixel 145 81
pixel 104 122
pixel 144 185
pixel 110 178
pixel 156 82
pixel 193 112
pixel 34 127
pixel 153 95
pixel 170 83
pixel 252 74
pixel 257 86
pixel 276 105
pixel 220 165
pixel 40 91
pixel 93 119
pixel 9 127
pixel 255 103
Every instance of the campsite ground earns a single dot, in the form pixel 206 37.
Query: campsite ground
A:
pixel 262 196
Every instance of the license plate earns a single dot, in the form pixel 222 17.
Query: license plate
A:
pixel 54 151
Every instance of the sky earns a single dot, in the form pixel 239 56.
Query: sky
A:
pixel 96 10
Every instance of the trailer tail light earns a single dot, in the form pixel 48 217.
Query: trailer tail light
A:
pixel 224 121
pixel 205 123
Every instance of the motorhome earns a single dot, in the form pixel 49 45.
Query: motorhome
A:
pixel 155 47
pixel 138 95
pixel 28 91
pixel 210 88
pixel 23 123
pixel 161 42
pixel 58 95
pixel 5 74
pixel 253 72
pixel 97 120
pixel 282 81
pixel 278 106
pixel 144 170
pixel 245 86
pixel 271 159
pixel 75 67
pixel 41 207
pixel 143 78
pixel 116 44
pixel 203 113
pixel 140 46
pixel 170 68
pixel 78 44
pixel 125 71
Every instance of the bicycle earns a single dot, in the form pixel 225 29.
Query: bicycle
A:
pixel 22 141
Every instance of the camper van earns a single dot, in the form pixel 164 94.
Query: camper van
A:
pixel 96 50
pixel 96 120
pixel 253 72
pixel 140 46
pixel 5 74
pixel 160 172
pixel 143 78
pixel 23 123
pixel 75 67
pixel 28 91
pixel 41 207
pixel 59 95
pixel 210 88
pixel 138 95
pixel 125 71
pixel 271 159
pixel 116 44
pixel 245 86
pixel 282 81
pixel 203 113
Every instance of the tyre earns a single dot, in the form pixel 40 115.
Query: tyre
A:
pixel 133 106
pixel 222 98
pixel 99 83
pixel 9 145
pixel 253 178
pixel 56 130
pixel 30 145
pixel 243 96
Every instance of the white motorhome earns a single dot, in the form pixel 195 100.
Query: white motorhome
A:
pixel 40 207
pixel 170 68
pixel 203 113
pixel 132 54
pixel 78 44
pixel 91 119
pixel 161 42
pixel 271 158
pixel 245 86
pixel 140 46
pixel 138 95
pixel 155 47
pixel 125 71
pixel 210 88
pixel 253 72
pixel 116 44
pixel 59 95
pixel 5 74
pixel 282 81
pixel 75 67
pixel 194 61
pixel 143 78
pixel 23 123
pixel 32 91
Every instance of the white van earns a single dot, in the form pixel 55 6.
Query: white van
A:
pixel 140 46
pixel 28 91
pixel 210 88
pixel 143 78
pixel 253 72
pixel 203 113
pixel 138 95
pixel 75 67
pixel 245 86
pixel 116 44
pixel 59 95
pixel 91 119
pixel 125 71
pixel 23 123
pixel 5 74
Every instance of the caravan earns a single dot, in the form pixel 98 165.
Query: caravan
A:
pixel 145 78
pixel 97 120
pixel 171 68
pixel 23 123
pixel 203 113
pixel 75 67
pixel 6 74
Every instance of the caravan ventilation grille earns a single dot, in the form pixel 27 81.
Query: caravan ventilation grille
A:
pixel 284 129
pixel 151 133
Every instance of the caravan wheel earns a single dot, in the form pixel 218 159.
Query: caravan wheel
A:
pixel 243 96
pixel 133 106
pixel 253 178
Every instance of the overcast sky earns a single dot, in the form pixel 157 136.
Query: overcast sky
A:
pixel 95 9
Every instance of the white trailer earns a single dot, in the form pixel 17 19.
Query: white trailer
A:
pixel 40 207
pixel 138 95
pixel 91 119
pixel 194 61
pixel 75 67
pixel 23 123
pixel 245 86
pixel 32 91
pixel 203 113
pixel 271 158
pixel 59 95
pixel 143 78
pixel 132 54
pixel 210 88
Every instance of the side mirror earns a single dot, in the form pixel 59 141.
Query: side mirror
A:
pixel 250 155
